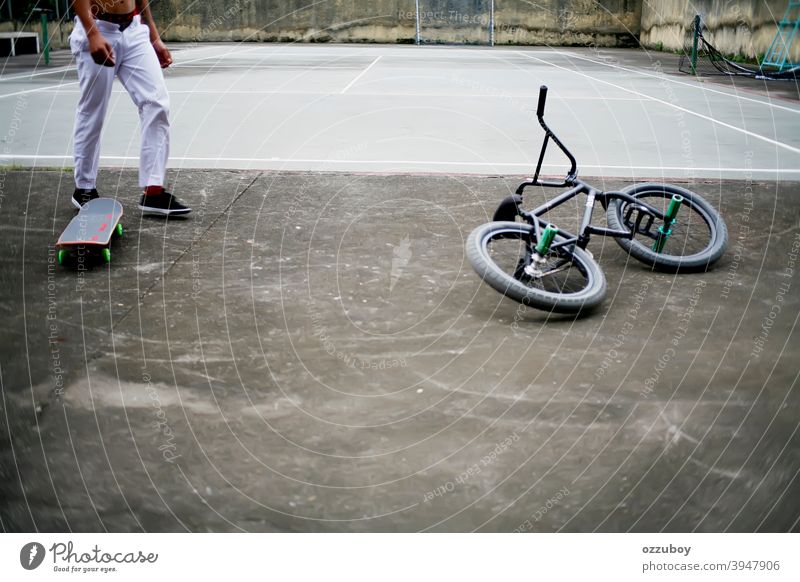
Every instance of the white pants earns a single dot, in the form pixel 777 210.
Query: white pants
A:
pixel 138 69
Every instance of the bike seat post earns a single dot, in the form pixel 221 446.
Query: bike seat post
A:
pixel 583 234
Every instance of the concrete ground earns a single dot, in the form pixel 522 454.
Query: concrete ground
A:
pixel 311 351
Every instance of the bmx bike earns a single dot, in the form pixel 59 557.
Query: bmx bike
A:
pixel 528 259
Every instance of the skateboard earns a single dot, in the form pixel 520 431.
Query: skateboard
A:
pixel 93 227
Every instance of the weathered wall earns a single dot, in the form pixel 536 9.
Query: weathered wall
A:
pixel 555 22
pixel 285 20
pixel 568 22
pixel 734 26
pixel 58 32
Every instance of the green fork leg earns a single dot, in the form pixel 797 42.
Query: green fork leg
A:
pixel 670 218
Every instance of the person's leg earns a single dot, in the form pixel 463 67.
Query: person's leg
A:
pixel 95 90
pixel 140 74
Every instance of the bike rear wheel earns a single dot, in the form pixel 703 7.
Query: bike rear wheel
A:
pixel 697 239
pixel 568 281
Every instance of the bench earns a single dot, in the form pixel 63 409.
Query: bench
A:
pixel 18 43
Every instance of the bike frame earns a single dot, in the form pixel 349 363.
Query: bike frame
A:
pixel 646 212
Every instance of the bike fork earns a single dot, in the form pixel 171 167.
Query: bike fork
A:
pixel 670 218
pixel 538 257
pixel 543 246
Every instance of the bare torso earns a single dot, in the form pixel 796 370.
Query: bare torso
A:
pixel 113 6
pixel 101 50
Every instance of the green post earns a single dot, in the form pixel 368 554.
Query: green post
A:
pixel 695 36
pixel 547 239
pixel 45 39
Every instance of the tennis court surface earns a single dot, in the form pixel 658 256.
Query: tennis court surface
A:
pixel 310 350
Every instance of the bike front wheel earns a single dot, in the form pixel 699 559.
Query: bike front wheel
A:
pixel 568 280
pixel 696 240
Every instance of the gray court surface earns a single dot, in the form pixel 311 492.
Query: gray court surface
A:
pixel 429 109
pixel 311 351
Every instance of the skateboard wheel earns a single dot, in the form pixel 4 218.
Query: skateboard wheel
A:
pixel 62 254
pixel 107 255
pixel 119 229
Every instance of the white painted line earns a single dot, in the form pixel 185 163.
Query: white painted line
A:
pixel 36 74
pixel 232 51
pixel 702 88
pixel 422 52
pixel 338 162
pixel 679 108
pixel 262 67
pixel 364 72
pixel 13 77
pixel 56 88
pixel 532 97
pixel 39 90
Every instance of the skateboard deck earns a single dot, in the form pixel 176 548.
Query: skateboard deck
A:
pixel 95 224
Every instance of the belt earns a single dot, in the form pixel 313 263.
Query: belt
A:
pixel 124 20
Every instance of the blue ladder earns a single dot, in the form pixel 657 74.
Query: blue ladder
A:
pixel 778 52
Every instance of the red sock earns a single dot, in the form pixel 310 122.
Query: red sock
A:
pixel 151 190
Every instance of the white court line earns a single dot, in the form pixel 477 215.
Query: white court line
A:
pixel 265 67
pixel 55 88
pixel 338 162
pixel 39 90
pixel 364 72
pixel 532 97
pixel 71 68
pixel 679 108
pixel 384 50
pixel 218 55
pixel 37 74
pixel 685 84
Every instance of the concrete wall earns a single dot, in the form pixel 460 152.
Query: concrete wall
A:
pixel 58 33
pixel 555 22
pixel 735 27
pixel 744 27
pixel 568 22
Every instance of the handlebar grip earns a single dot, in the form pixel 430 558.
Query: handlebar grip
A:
pixel 542 99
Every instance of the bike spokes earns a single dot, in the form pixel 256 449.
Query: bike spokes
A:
pixel 687 233
pixel 555 271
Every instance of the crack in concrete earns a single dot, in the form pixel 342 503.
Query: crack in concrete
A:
pixel 99 353
pixel 165 274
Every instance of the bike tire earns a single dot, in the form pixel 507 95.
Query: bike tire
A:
pixel 697 242
pixel 586 290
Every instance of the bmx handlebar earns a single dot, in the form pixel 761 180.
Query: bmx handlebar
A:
pixel 542 99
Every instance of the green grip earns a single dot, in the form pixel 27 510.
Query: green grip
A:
pixel 670 217
pixel 672 209
pixel 547 239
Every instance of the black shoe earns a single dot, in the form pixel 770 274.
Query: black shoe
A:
pixel 82 196
pixel 164 203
